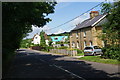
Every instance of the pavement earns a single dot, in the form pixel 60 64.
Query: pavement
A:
pixel 32 64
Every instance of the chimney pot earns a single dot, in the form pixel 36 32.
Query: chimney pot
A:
pixel 94 14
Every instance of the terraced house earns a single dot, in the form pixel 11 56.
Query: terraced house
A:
pixel 87 32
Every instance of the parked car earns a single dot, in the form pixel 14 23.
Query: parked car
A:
pixel 92 50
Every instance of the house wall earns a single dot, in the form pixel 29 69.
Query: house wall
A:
pixel 91 37
pixel 36 39
pixel 73 39
pixel 96 31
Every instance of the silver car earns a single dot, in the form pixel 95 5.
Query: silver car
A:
pixel 92 50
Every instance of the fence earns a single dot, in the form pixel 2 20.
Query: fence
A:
pixel 64 51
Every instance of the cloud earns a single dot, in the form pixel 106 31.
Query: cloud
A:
pixel 38 30
pixel 59 31
pixel 80 19
pixel 62 5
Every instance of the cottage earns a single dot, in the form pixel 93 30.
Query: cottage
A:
pixel 87 32
pixel 36 39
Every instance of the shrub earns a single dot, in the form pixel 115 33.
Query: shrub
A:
pixel 79 51
pixel 111 52
pixel 47 48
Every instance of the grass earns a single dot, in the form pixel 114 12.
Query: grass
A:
pixel 80 54
pixel 100 60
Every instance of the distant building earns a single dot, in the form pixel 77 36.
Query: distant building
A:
pixel 36 39
pixel 46 39
pixel 56 39
pixel 87 32
pixel 59 38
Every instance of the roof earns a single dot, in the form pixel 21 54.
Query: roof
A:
pixel 89 22
pixel 34 36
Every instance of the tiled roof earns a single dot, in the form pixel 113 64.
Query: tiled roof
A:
pixel 88 22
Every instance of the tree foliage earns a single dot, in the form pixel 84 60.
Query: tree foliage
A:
pixel 111 29
pixel 42 36
pixel 17 19
pixel 26 43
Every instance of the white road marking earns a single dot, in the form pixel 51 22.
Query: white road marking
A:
pixel 69 72
pixel 63 69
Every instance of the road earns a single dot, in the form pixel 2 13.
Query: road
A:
pixel 41 65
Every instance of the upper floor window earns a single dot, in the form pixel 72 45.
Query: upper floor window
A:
pixel 35 37
pixel 76 34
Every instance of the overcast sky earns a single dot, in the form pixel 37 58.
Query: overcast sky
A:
pixel 65 11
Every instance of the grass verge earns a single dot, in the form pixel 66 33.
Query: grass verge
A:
pixel 80 54
pixel 100 60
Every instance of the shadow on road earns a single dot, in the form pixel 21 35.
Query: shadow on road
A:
pixel 41 66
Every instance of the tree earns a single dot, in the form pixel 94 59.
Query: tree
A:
pixel 26 43
pixel 42 41
pixel 111 29
pixel 17 19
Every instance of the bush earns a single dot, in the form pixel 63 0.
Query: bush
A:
pixel 47 48
pixel 111 53
pixel 79 51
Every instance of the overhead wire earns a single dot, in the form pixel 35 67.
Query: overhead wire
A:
pixel 75 17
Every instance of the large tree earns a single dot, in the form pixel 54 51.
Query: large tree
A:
pixel 17 18
pixel 111 29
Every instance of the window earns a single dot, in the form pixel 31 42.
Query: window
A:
pixel 76 34
pixel 90 43
pixel 56 38
pixel 88 48
pixel 84 34
pixel 84 43
pixel 77 44
pixel 35 37
pixel 73 44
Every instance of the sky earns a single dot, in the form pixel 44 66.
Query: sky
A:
pixel 65 11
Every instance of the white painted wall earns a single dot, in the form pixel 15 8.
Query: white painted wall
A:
pixel 36 39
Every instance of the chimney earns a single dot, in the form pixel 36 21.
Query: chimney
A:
pixel 94 14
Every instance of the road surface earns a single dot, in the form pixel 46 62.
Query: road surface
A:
pixel 31 64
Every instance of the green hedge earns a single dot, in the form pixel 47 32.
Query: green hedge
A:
pixel 79 51
pixel 111 52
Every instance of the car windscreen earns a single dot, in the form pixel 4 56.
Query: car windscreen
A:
pixel 88 48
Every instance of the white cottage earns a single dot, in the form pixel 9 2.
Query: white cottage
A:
pixel 36 39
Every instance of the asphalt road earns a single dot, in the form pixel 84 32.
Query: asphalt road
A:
pixel 31 64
